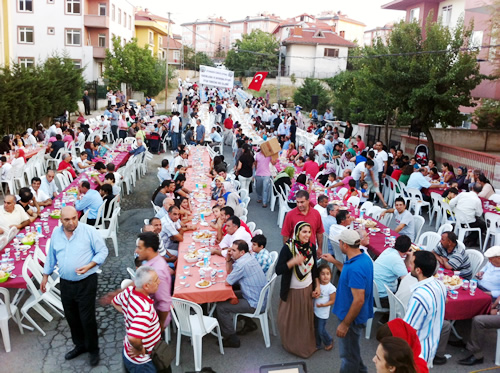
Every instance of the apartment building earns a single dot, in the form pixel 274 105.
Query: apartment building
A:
pixel 371 36
pixel 152 30
pixel 347 28
pixel 174 47
pixel 81 29
pixel 209 36
pixel 264 22
pixel 449 12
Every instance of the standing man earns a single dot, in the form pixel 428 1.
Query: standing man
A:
pixel 78 250
pixel 200 132
pixel 403 218
pixel 354 303
pixel 228 130
pixel 174 128
pixel 304 212
pixel 114 122
pixel 425 311
pixel 86 102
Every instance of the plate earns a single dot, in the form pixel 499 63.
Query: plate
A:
pixel 200 265
pixel 374 230
pixel 204 224
pixel 198 284
pixel 190 259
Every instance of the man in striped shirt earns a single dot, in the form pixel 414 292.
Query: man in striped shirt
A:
pixel 141 321
pixel 425 311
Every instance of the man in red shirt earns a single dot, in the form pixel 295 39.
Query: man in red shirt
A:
pixel 228 130
pixel 66 165
pixel 361 143
pixel 304 212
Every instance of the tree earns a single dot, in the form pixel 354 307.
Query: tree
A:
pixel 257 51
pixel 45 91
pixel 488 115
pixel 302 95
pixel 134 66
pixel 192 60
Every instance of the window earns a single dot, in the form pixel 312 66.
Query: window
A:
pixel 476 39
pixel 342 34
pixel 160 41
pixel 73 6
pixel 177 56
pixel 446 16
pixel 100 68
pixel 119 16
pixel 26 35
pixel 50 1
pixel 415 14
pixel 102 40
pixel 130 22
pixel 331 52
pixel 25 5
pixel 77 63
pixel 102 9
pixel 201 28
pixel 51 30
pixel 112 12
pixel 27 62
pixel 73 36
pixel 124 19
pixel 151 37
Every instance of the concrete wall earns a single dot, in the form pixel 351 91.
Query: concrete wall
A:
pixel 480 140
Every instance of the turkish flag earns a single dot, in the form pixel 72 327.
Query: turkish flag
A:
pixel 257 80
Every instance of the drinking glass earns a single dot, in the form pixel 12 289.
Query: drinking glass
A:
pixel 186 270
pixel 472 287
pixel 182 280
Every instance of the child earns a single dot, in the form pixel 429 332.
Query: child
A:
pixel 260 252
pixel 322 307
pixel 330 181
pixel 364 194
pixel 221 201
pixel 352 192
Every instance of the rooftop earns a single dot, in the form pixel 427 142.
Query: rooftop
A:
pixel 315 36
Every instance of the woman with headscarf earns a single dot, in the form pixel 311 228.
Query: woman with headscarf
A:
pixel 283 178
pixel 299 285
pixel 233 200
pixel 20 158
pixel 5 145
pixel 218 190
pixel 461 176
pixel 300 184
pixel 401 329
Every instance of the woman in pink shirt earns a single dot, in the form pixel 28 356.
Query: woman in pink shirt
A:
pixel 311 167
pixel 262 177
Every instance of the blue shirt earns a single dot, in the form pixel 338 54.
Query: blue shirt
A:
pixel 161 213
pixel 360 158
pixel 249 274
pixel 215 137
pixel 91 201
pixel 114 118
pixel 164 174
pixel 417 181
pixel 48 188
pixel 138 150
pixel 388 267
pixel 328 221
pixel 84 246
pixel 200 133
pixel 357 273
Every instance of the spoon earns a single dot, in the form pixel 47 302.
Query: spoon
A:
pixel 180 286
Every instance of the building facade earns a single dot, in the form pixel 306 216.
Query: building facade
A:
pixel 371 36
pixel 263 22
pixel 315 53
pixel 211 36
pixel 345 27
pixel 151 30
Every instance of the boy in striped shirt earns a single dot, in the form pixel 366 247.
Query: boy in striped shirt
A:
pixel 141 321
pixel 425 311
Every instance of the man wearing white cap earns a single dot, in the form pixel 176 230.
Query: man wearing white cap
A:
pixel 354 303
pixel 489 279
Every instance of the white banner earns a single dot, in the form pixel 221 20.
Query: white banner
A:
pixel 216 77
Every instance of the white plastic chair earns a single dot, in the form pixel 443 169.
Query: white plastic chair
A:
pixel 8 311
pixel 341 193
pixel 251 225
pixel 261 311
pixel 429 240
pixel 366 207
pixel 476 259
pixel 283 209
pixel 493 228
pixel 396 308
pixel 353 201
pixel 189 319
pixel 110 232
pixel 445 228
pixel 243 194
pixel 377 308
pixel 462 227
pixel 63 181
pixel 257 231
pixel 269 275
pixel 435 208
pixel 419 222
pixel 386 220
pixel 375 212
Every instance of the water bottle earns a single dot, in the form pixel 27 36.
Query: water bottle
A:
pixel 205 260
pixel 326 192
pixel 202 216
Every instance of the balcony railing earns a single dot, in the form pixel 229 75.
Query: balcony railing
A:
pixel 96 21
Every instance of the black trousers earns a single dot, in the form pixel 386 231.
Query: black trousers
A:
pixel 78 299
pixel 114 131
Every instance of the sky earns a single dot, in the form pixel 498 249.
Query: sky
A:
pixel 366 11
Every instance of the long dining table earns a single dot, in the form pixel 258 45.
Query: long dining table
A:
pixel 16 280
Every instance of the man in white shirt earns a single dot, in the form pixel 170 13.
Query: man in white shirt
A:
pixel 80 137
pixel 5 168
pixel 164 171
pixel 234 232
pixel 105 124
pixel 174 127
pixel 12 214
pixel 321 205
pixel 320 151
pixel 358 173
pixel 470 209
pixel 29 139
pixel 42 198
pixel 181 160
pixel 344 220
pixel 48 185
pixel 381 159
pixel 81 163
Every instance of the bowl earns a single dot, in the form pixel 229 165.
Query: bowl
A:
pixel 5 278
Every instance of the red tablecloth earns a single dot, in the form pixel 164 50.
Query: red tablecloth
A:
pixel 377 240
pixel 18 282
pixel 466 306
pixel 218 292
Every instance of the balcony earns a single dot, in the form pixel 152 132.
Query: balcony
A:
pixel 99 52
pixel 479 6
pixel 95 21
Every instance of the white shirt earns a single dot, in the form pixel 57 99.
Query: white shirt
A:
pixel 335 230
pixel 320 149
pixel 321 210
pixel 324 297
pixel 77 162
pixel 12 218
pixel 112 99
pixel 380 158
pixel 81 138
pixel 40 196
pixel 175 124
pixel 180 161
pixel 5 170
pixel 31 140
pixel 106 125
pixel 48 188
pixel 356 172
pixel 240 234
pixel 491 279
pixel 468 204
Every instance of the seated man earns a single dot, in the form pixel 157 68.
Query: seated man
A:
pixel 243 269
pixel 12 214
pixel 451 256
pixel 27 201
pixel 5 167
pixel 225 213
pixel 82 162
pixel 215 137
pixel 489 276
pixel 390 266
pixel 167 203
pixel 172 231
pixel 42 198
pixel 66 165
pixel 402 217
pixel 164 171
pixel 88 200
pixel 329 220
pixel 418 181
pixel 155 226
pixel 321 205
pixel 140 148
pixel 344 220
pixel 48 185
pixel 235 231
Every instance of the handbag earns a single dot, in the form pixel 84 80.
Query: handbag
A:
pixel 162 355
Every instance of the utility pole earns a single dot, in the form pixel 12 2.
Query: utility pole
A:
pixel 166 78
pixel 279 77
